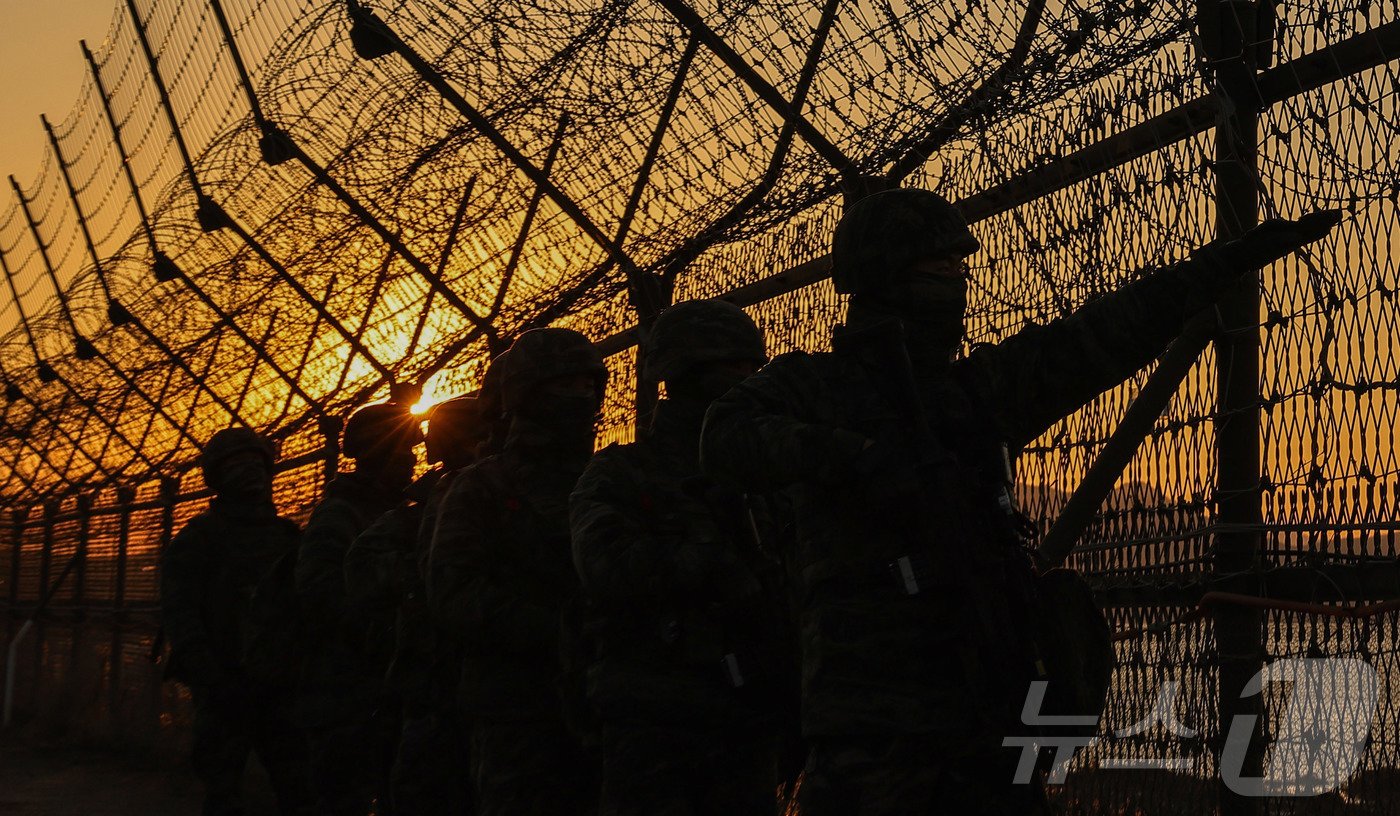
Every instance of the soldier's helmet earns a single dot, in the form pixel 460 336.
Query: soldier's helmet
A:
pixel 230 441
pixel 379 427
pixel 540 355
pixel 459 423
pixel 699 331
pixel 882 235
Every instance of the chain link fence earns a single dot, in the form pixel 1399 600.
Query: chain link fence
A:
pixel 264 212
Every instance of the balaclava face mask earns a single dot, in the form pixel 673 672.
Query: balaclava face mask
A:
pixel 390 468
pixel 704 383
pixel 244 480
pixel 933 309
pixel 564 418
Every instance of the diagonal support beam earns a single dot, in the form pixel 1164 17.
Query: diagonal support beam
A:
pixel 979 99
pixel 212 216
pixel 47 374
pixel 771 96
pixel 1362 52
pixel 671 265
pixel 166 269
pixel 116 312
pixel 366 24
pixel 449 244
pixel 95 460
pixel 72 324
pixel 278 145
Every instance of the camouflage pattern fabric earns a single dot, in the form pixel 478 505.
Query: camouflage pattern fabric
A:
pixel 227 730
pixel 906 774
pixel 694 332
pixel 499 574
pixel 673 771
pixel 431 768
pixel 383 574
pixel 350 720
pixel 913 592
pixel 207 574
pixel 530 768
pixel 687 616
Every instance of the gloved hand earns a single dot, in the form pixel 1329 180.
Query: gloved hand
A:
pixel 1215 267
pixel 1276 238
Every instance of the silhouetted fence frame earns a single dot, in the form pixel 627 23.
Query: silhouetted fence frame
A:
pixel 56 525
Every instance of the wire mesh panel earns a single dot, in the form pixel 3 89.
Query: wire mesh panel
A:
pixel 260 213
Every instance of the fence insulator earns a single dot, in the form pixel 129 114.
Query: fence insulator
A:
pixel 210 215
pixel 164 268
pixel 368 34
pixel 117 313
pixel 84 348
pixel 276 145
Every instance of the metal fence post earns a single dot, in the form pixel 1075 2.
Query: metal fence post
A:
pixel 125 497
pixel 1227 31
pixel 17 518
pixel 330 427
pixel 79 632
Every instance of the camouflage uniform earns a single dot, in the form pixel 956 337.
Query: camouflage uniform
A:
pixel 352 722
pixel 207 575
pixel 384 572
pixel 499 574
pixel 383 575
pixel 684 609
pixel 915 594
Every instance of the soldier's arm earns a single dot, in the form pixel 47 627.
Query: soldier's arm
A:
pixel 468 594
pixel 320 570
pixel 620 558
pixel 379 564
pixel 184 582
pixel 1044 373
pixel 769 431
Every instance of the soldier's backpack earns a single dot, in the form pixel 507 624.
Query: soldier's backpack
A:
pixel 1076 649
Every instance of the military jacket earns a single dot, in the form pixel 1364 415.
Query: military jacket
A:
pixel 499 574
pixel 338 671
pixel 684 606
pixel 913 597
pixel 208 574
pixel 384 576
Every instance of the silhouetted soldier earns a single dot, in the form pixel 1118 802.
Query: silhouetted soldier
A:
pixel 384 574
pixel 917 593
pixel 693 671
pixel 352 723
pixel 207 575
pixel 500 572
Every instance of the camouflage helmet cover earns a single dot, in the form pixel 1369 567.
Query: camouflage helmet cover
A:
pixel 230 441
pixel 460 421
pixel 699 331
pixel 540 355
pixel 882 235
pixel 380 426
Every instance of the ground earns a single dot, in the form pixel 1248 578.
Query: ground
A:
pixel 42 779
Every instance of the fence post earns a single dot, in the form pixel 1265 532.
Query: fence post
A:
pixel 125 497
pixel 1228 35
pixel 17 518
pixel 84 514
pixel 330 427
pixel 51 511
pixel 78 636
